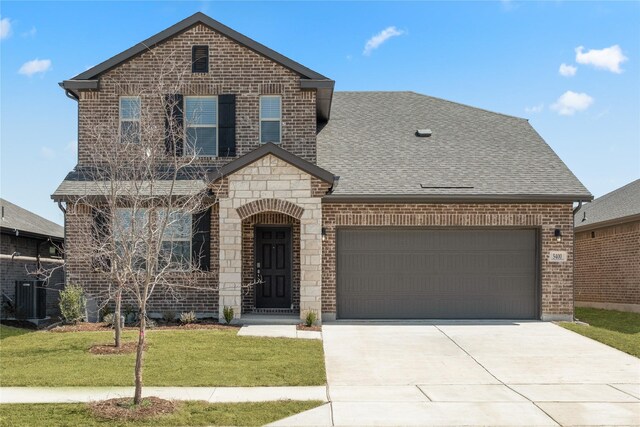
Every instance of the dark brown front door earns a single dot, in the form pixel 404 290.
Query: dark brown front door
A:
pixel 273 267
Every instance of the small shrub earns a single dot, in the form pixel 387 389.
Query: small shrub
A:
pixel 104 311
pixel 151 323
pixel 129 314
pixel 168 316
pixel 228 314
pixel 72 304
pixel 109 319
pixel 188 317
pixel 310 318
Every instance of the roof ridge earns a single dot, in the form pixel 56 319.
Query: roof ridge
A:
pixel 436 98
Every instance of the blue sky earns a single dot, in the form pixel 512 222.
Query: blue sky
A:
pixel 501 56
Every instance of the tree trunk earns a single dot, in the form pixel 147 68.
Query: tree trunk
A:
pixel 116 319
pixel 137 398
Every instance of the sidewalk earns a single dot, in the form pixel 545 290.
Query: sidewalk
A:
pixel 209 394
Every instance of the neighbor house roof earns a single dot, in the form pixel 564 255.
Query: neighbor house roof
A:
pixel 310 79
pixel 16 218
pixel 620 205
pixel 370 143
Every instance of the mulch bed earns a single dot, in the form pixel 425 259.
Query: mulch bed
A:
pixel 125 348
pixel 303 327
pixel 122 409
pixel 23 324
pixel 92 327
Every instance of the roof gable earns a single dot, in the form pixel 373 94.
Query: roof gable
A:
pixel 185 24
pixel 270 148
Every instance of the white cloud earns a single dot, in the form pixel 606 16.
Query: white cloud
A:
pixel 47 153
pixel 535 109
pixel 570 102
pixel 384 35
pixel 567 70
pixel 608 58
pixel 31 33
pixel 30 68
pixel 5 28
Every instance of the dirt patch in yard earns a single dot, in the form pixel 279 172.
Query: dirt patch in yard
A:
pixel 125 348
pixel 93 327
pixel 123 409
pixel 303 327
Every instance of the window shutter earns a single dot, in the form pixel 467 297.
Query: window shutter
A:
pixel 201 240
pixel 173 124
pixel 101 230
pixel 227 125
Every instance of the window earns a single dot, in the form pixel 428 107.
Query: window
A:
pixel 200 59
pixel 270 119
pixel 129 225
pixel 130 119
pixel 175 249
pixel 201 125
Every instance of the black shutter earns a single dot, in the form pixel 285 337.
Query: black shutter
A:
pixel 227 125
pixel 101 231
pixel 173 124
pixel 201 240
pixel 41 299
pixel 200 59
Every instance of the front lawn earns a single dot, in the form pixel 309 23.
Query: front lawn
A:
pixel 189 414
pixel 617 329
pixel 173 358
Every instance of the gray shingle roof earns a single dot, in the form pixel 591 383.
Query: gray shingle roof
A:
pixel 17 218
pixel 370 144
pixel 621 203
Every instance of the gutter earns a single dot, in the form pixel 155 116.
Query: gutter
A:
pixel 454 198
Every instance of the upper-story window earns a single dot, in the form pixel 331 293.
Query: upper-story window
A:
pixel 130 119
pixel 200 59
pixel 270 118
pixel 201 125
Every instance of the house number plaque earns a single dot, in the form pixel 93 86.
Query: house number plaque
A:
pixel 558 256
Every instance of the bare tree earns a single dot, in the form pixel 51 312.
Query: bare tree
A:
pixel 145 186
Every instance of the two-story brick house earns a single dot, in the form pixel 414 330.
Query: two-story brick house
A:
pixel 350 204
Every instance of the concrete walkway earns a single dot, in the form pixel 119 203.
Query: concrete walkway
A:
pixel 278 331
pixel 208 394
pixel 482 373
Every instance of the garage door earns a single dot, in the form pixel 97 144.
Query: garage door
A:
pixel 390 273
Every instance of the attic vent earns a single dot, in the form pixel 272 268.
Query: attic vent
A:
pixel 200 59
pixel 423 132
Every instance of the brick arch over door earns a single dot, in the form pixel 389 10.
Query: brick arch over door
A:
pixel 270 205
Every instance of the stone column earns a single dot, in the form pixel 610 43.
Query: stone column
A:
pixel 311 260
pixel 230 282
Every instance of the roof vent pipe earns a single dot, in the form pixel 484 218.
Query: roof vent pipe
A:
pixel 423 132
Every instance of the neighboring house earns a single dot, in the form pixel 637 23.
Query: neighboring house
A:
pixel 607 234
pixel 29 244
pixel 362 204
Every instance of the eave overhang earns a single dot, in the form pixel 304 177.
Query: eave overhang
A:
pixel 455 198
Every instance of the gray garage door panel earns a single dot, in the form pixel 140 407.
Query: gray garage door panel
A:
pixel 391 273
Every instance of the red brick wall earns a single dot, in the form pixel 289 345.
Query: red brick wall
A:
pixel 608 265
pixel 201 295
pixel 556 278
pixel 233 69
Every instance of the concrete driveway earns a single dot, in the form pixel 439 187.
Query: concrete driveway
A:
pixel 482 373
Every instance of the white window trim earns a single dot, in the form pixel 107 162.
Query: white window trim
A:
pixel 279 120
pixel 122 119
pixel 187 125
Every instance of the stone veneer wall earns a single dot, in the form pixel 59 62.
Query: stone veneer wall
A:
pixel 556 278
pixel 607 273
pixel 271 178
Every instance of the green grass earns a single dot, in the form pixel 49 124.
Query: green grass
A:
pixel 617 329
pixel 190 413
pixel 173 358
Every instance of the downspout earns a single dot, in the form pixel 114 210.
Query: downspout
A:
pixel 573 257
pixel 71 95
pixel 64 236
